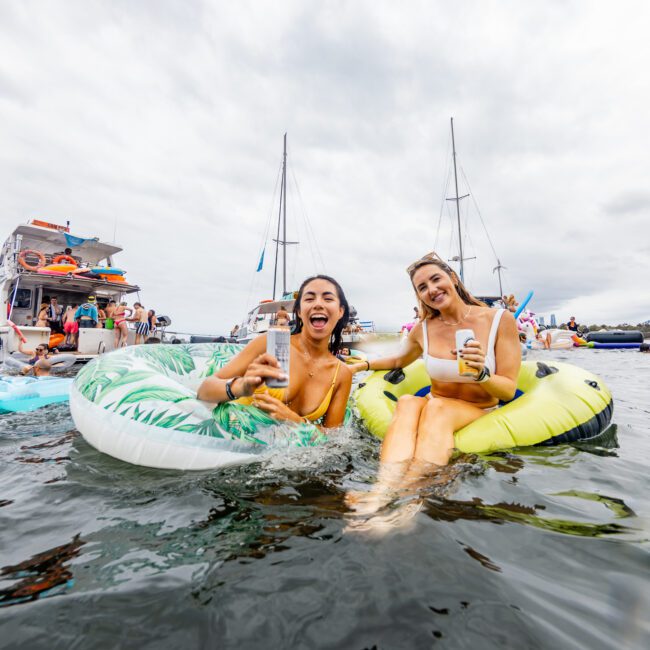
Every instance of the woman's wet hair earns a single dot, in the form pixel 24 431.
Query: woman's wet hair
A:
pixel 336 339
pixel 433 258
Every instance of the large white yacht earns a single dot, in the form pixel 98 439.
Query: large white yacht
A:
pixel 25 283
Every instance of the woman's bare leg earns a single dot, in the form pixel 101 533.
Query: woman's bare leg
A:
pixel 396 454
pixel 441 417
pixel 399 442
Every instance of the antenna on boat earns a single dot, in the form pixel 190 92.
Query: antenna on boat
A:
pixel 282 221
pixel 458 199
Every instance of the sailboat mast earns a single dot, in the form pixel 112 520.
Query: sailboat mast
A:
pixel 277 240
pixel 457 199
pixel 284 219
pixel 282 222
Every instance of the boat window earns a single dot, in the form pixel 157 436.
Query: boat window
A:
pixel 23 299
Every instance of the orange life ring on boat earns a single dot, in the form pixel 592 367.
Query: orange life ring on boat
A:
pixel 59 258
pixel 29 267
pixel 263 301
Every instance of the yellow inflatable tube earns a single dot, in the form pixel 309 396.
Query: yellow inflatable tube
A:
pixel 556 403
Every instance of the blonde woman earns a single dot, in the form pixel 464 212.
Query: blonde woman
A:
pixel 422 428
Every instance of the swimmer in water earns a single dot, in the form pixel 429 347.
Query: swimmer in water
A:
pixel 39 362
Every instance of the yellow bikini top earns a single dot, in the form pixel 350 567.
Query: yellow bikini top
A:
pixel 281 394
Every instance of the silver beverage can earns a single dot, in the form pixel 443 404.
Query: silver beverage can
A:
pixel 278 344
pixel 462 338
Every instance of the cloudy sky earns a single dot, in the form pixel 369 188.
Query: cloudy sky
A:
pixel 160 124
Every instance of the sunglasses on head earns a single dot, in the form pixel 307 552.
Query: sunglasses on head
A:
pixel 427 259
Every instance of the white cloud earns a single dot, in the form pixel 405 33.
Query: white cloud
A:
pixel 166 119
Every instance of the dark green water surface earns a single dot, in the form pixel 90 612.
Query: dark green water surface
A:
pixel 536 548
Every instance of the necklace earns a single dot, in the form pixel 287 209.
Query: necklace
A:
pixel 312 365
pixel 456 322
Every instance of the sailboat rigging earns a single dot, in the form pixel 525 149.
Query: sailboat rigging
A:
pixel 461 256
pixel 282 221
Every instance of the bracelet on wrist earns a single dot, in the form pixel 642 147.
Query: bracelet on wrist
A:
pixel 367 364
pixel 483 376
pixel 229 393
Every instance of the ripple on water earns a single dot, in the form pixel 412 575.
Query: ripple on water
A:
pixel 537 547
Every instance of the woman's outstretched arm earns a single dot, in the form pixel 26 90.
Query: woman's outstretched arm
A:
pixel 411 350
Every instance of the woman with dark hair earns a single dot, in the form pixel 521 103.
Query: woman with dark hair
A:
pixel 422 428
pixel 319 384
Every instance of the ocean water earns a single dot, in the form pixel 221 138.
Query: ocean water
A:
pixel 534 548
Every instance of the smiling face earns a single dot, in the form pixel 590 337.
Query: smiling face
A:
pixel 320 308
pixel 434 287
pixel 40 351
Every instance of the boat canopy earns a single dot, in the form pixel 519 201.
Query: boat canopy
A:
pixel 274 306
pixel 51 241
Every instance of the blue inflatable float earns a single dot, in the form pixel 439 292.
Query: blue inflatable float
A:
pixel 30 393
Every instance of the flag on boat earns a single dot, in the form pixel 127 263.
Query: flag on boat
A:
pixel 73 241
pixel 261 263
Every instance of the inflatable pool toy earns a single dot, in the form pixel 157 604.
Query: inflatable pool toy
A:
pixel 84 272
pixel 45 271
pixel 579 342
pixel 106 270
pixel 55 339
pixel 139 405
pixel 612 339
pixel 555 404
pixel 61 268
pixel 522 306
pixel 30 393
pixel 560 340
pixel 59 362
pixel 19 334
pixel 120 279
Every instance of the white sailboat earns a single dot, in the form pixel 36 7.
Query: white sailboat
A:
pixel 263 315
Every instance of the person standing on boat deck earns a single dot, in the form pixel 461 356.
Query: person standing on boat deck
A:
pixel 141 323
pixel 54 316
pixel 422 429
pixel 101 318
pixel 120 326
pixel 234 331
pixel 70 326
pixel 86 314
pixel 319 384
pixel 152 320
pixel 41 319
pixel 282 317
pixel 110 315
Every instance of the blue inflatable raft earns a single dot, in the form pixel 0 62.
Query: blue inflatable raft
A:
pixel 31 393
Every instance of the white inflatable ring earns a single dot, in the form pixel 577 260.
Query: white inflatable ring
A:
pixel 139 405
pixel 58 362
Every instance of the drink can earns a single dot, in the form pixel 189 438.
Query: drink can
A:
pixel 278 344
pixel 462 338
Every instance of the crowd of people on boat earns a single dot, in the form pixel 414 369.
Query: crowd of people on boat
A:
pixel 69 319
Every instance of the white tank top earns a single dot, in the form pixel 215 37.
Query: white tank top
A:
pixel 446 370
